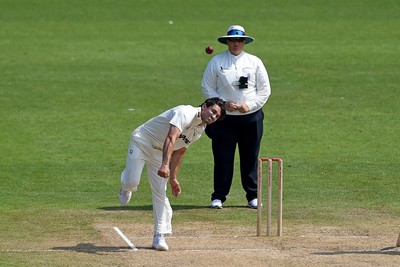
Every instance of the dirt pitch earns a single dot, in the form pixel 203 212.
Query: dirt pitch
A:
pixel 202 244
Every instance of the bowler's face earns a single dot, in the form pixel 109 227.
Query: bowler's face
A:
pixel 210 114
pixel 236 45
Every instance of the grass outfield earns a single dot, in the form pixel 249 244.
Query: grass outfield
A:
pixel 78 76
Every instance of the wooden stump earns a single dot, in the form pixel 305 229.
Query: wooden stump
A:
pixel 398 241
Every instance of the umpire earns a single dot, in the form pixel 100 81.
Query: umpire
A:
pixel 240 79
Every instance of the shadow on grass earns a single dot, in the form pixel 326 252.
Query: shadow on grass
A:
pixel 93 249
pixel 174 207
pixel 394 251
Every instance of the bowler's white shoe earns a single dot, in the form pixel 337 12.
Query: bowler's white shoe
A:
pixel 216 204
pixel 124 197
pixel 159 243
pixel 253 204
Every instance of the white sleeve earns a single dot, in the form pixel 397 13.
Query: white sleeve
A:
pixel 180 118
pixel 209 81
pixel 263 87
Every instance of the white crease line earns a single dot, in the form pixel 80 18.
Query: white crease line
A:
pixel 337 237
pixel 134 248
pixel 125 239
pixel 227 250
pixel 32 250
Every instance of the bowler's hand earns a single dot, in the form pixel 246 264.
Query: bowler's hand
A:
pixel 175 187
pixel 164 171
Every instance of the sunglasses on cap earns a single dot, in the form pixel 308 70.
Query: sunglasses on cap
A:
pixel 236 40
pixel 236 32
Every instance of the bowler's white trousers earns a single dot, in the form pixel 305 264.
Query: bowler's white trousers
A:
pixel 141 152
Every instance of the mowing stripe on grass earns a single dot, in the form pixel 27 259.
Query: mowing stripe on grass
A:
pixel 125 239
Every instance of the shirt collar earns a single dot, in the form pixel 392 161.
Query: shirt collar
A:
pixel 198 119
pixel 236 57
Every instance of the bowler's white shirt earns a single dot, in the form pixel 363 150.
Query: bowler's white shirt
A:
pixel 186 118
pixel 221 78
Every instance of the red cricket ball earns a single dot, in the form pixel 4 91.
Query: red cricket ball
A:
pixel 209 49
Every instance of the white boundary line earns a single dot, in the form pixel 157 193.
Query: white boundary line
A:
pixel 125 238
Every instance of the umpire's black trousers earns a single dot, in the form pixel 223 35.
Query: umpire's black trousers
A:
pixel 245 132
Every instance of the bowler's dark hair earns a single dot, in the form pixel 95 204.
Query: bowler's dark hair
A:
pixel 216 101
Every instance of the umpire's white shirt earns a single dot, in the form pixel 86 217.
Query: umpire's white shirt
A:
pixel 221 78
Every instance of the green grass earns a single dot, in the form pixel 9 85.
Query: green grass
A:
pixel 71 70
